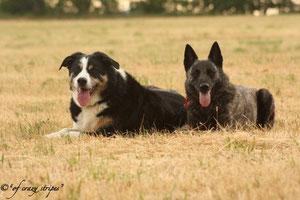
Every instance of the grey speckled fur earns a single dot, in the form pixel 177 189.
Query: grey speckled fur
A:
pixel 230 105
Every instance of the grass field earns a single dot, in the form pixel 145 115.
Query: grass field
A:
pixel 34 99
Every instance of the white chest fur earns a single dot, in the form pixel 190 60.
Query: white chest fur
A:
pixel 87 120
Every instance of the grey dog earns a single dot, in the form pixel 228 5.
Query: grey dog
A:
pixel 214 101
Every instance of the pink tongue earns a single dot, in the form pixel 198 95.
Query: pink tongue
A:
pixel 204 99
pixel 83 96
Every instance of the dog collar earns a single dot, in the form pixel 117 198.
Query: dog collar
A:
pixel 186 103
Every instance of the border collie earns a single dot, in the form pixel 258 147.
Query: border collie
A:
pixel 107 100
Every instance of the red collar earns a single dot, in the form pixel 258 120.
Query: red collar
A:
pixel 186 103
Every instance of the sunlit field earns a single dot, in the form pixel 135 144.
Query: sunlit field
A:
pixel 261 52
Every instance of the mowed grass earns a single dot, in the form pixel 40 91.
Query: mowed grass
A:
pixel 261 52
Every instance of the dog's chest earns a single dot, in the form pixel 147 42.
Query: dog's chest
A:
pixel 87 119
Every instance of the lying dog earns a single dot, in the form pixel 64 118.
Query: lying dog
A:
pixel 215 101
pixel 106 99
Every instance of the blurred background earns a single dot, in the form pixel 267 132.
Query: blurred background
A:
pixel 82 8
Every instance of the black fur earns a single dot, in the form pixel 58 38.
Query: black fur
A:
pixel 134 107
pixel 75 110
pixel 265 109
pixel 229 105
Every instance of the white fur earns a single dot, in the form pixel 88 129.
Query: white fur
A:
pixel 88 119
pixel 83 73
pixel 74 96
pixel 122 73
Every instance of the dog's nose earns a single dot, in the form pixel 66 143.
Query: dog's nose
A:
pixel 82 82
pixel 204 87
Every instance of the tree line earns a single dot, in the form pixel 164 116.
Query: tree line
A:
pixel 111 7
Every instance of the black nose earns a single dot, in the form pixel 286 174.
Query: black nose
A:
pixel 204 87
pixel 82 82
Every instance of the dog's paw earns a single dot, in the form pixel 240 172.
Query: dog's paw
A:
pixel 53 135
pixel 64 132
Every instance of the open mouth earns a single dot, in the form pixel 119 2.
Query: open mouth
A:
pixel 84 95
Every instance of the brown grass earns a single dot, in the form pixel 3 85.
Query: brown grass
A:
pixel 34 97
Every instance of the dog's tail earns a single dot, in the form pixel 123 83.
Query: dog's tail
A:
pixel 265 109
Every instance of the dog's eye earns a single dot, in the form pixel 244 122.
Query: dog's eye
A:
pixel 195 74
pixel 75 69
pixel 211 72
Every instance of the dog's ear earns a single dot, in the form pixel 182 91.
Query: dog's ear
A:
pixel 106 59
pixel 215 55
pixel 68 61
pixel 189 57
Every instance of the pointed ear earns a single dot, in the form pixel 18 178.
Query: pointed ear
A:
pixel 68 61
pixel 106 59
pixel 215 55
pixel 189 57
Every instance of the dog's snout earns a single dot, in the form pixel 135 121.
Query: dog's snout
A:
pixel 82 82
pixel 204 87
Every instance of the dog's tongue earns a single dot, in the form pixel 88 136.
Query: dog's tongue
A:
pixel 204 99
pixel 83 96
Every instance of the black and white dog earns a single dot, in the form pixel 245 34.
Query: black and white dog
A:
pixel 106 99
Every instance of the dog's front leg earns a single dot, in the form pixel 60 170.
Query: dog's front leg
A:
pixel 225 119
pixel 72 132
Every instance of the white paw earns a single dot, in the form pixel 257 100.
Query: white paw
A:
pixel 53 135
pixel 64 132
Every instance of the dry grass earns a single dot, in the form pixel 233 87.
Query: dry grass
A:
pixel 34 98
